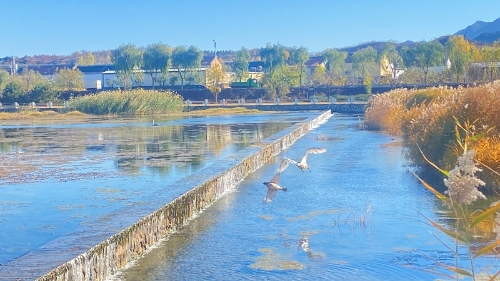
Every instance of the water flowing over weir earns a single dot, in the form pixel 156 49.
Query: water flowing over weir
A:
pixel 104 259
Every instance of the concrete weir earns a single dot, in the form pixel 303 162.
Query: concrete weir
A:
pixel 206 186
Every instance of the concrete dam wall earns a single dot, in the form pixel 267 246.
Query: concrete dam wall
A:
pixel 339 108
pixel 205 186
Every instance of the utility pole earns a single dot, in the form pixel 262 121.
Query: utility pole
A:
pixel 215 48
pixel 13 69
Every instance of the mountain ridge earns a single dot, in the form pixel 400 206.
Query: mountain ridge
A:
pixel 478 28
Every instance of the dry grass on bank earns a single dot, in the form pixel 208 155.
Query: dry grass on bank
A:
pixel 222 111
pixel 40 115
pixel 427 117
pixel 53 116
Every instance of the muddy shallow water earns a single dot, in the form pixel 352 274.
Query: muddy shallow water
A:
pixel 60 179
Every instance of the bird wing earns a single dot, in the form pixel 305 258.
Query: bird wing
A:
pixel 313 150
pixel 284 164
pixel 271 193
pixel 276 178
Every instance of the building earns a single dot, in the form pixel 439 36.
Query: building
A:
pixel 98 77
pixel 92 75
pixel 313 62
pixel 143 78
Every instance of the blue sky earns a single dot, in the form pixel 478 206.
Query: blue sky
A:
pixel 61 27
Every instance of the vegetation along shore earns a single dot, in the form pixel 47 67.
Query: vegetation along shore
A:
pixel 436 121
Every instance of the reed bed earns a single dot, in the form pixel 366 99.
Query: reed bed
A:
pixel 428 118
pixel 134 102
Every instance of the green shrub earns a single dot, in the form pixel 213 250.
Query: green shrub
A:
pixel 134 102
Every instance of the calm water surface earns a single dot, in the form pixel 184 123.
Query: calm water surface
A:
pixel 357 209
pixel 85 182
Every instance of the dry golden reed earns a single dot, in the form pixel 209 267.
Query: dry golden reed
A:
pixel 37 115
pixel 426 117
pixel 224 111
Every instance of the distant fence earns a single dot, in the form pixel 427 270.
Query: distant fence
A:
pixel 16 107
pixel 351 107
pixel 203 93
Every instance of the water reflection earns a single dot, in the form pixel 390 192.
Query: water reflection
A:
pixel 133 148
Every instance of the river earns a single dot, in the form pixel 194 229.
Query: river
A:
pixel 354 216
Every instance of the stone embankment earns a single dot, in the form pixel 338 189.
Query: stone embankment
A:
pixel 206 186
pixel 344 108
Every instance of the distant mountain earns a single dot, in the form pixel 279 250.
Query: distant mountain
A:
pixel 488 38
pixel 480 32
pixel 471 32
pixel 377 45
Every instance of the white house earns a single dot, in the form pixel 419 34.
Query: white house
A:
pixel 144 78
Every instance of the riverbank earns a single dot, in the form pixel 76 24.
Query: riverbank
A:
pixel 440 122
pixel 48 116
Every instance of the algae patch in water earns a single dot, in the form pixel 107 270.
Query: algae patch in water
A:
pixel 266 217
pixel 49 226
pixel 107 190
pixel 309 232
pixel 69 207
pixel 298 218
pixel 311 215
pixel 273 261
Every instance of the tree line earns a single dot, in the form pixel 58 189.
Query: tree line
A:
pixel 31 86
pixel 427 62
pixel 283 67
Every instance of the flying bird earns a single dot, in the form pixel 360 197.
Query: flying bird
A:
pixel 302 165
pixel 274 185
pixel 283 165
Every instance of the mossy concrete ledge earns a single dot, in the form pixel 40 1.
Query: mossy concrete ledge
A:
pixel 206 186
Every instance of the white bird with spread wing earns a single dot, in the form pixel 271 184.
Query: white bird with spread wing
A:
pixel 302 165
pixel 274 184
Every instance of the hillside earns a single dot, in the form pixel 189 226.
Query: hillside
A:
pixel 488 38
pixel 475 30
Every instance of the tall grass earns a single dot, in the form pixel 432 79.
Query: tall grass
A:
pixel 463 189
pixel 454 131
pixel 134 102
pixel 427 117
